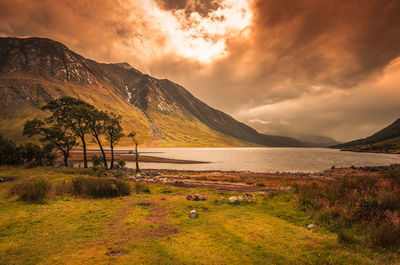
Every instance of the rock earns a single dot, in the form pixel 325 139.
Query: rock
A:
pixel 240 198
pixel 193 214
pixel 311 227
pixel 248 196
pixel 196 197
pixel 232 199
pixel 261 193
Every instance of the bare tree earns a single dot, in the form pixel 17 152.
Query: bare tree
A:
pixel 135 141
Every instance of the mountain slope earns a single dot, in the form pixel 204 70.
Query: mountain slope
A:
pixel 317 140
pixel 36 70
pixel 389 134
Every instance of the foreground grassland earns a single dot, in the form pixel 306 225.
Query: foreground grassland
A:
pixel 155 229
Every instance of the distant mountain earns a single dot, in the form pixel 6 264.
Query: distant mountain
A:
pixel 317 140
pixel 36 70
pixel 388 135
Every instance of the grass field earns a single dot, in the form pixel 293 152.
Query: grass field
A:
pixel 155 229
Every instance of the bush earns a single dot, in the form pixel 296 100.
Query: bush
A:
pixel 141 188
pixel 33 153
pixel 385 235
pixel 370 202
pixel 121 163
pixel 97 160
pixel 32 190
pixel 100 187
pixel 9 152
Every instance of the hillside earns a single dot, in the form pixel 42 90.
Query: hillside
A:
pixel 387 138
pixel 317 140
pixel 36 70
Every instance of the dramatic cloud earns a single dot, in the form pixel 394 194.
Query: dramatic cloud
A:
pixel 288 67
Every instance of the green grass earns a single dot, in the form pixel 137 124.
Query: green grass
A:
pixel 155 229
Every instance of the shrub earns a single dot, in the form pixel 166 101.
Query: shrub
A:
pixel 141 188
pixel 41 156
pixel 100 187
pixel 121 163
pixel 370 202
pixel 97 160
pixel 9 153
pixel 32 190
pixel 385 235
pixel 260 185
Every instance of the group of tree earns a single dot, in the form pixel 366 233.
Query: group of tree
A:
pixel 73 119
pixel 31 153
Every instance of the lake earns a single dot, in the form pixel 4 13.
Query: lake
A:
pixel 263 159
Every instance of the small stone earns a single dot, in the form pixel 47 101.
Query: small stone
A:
pixel 232 199
pixel 248 196
pixel 311 227
pixel 261 193
pixel 196 197
pixel 193 214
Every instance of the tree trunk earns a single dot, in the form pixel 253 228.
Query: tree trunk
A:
pixel 112 157
pixel 137 159
pixel 102 153
pixel 65 158
pixel 84 152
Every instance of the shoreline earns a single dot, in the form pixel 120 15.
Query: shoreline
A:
pixel 392 152
pixel 245 181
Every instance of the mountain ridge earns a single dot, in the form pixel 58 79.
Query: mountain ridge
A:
pixel 36 70
pixel 388 133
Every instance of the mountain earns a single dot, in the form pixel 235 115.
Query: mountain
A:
pixel 163 113
pixel 389 135
pixel 317 140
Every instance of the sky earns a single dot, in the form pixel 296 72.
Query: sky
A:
pixel 288 67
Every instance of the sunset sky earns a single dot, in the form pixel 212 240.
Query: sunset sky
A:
pixel 289 67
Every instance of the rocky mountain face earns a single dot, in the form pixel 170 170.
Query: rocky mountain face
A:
pixel 36 70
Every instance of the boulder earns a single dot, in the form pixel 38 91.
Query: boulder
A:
pixel 193 214
pixel 311 227
pixel 233 199
pixel 240 198
pixel 189 197
pixel 261 193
